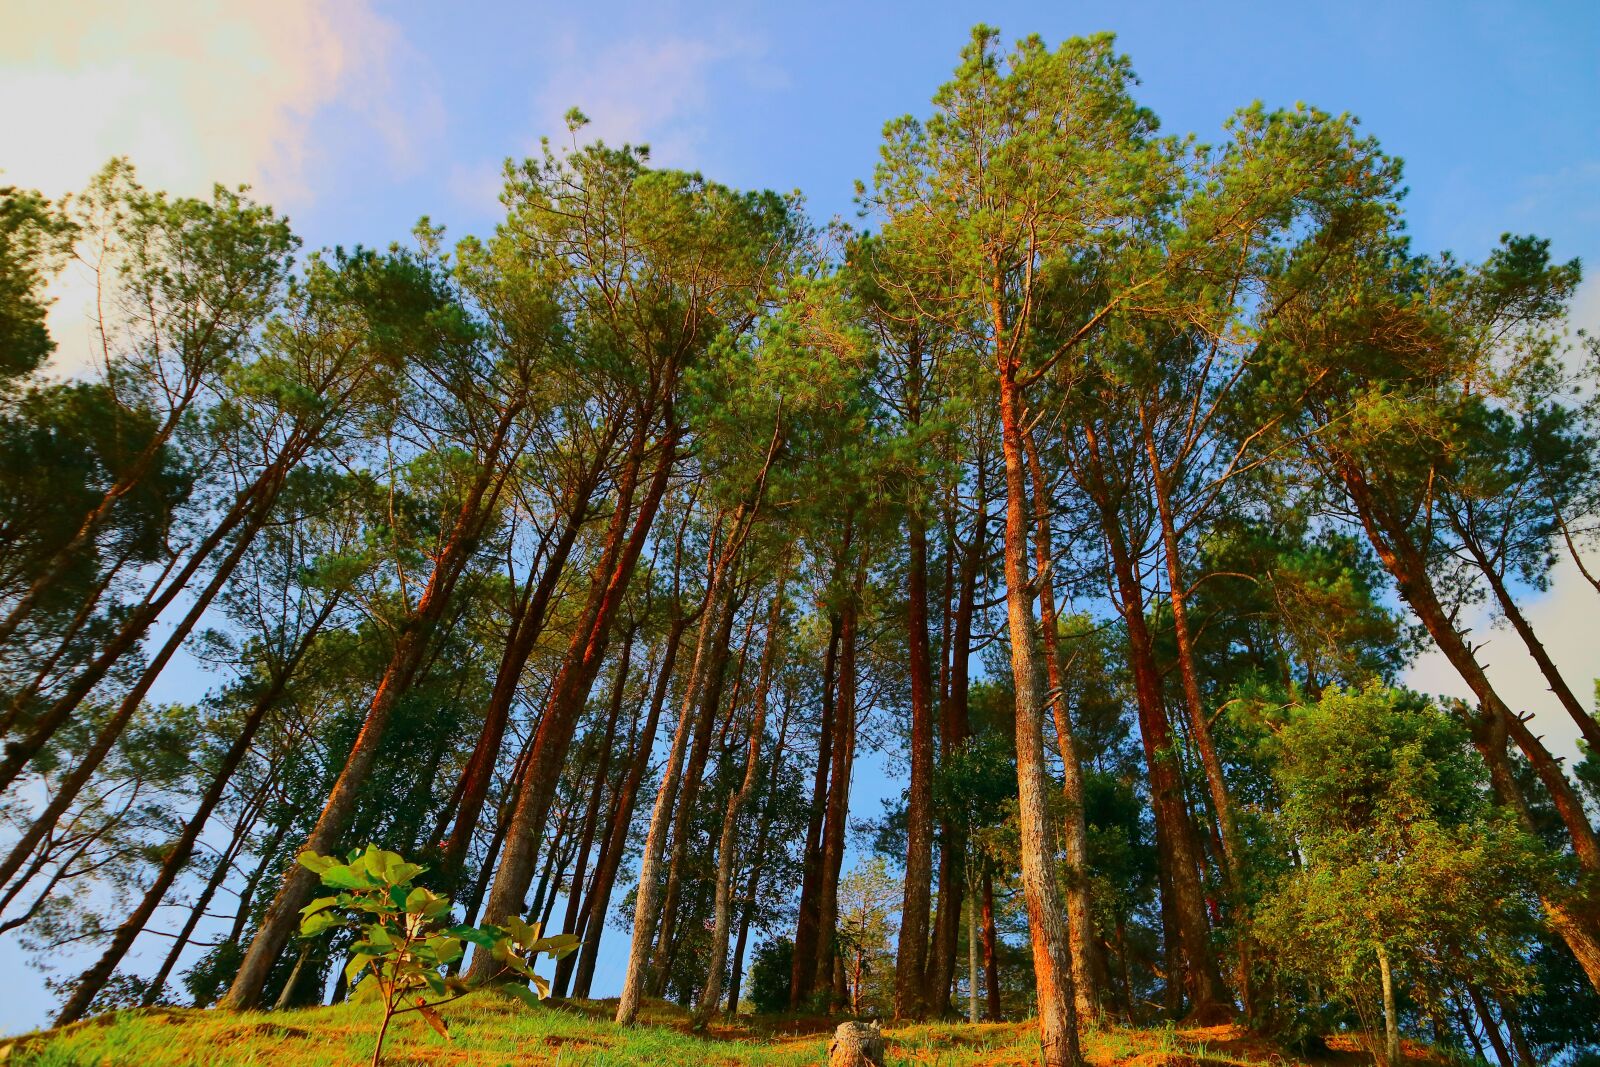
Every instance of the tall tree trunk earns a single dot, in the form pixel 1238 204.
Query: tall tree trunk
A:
pixel 573 682
pixel 802 976
pixel 911 957
pixel 711 994
pixel 972 947
pixel 689 792
pixel 991 958
pixel 1199 725
pixel 1047 922
pixel 410 648
pixel 1074 826
pixel 478 775
pixel 605 873
pixel 757 859
pixel 844 749
pixel 591 816
pixel 1391 1019
pixel 1177 844
pixel 954 729
pixel 719 597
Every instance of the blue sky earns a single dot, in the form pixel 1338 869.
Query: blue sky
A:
pixel 357 118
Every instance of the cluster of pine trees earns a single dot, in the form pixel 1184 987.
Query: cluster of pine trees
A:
pixel 1104 478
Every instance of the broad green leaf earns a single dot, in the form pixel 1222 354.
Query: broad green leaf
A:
pixel 557 946
pixel 312 925
pixel 345 877
pixel 399 872
pixel 318 905
pixel 481 938
pixel 315 863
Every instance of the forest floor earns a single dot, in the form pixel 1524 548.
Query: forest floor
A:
pixel 487 1031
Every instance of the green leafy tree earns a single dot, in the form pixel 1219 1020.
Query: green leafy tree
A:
pixel 1407 871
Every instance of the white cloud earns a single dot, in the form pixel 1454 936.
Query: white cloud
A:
pixel 194 93
pixel 644 90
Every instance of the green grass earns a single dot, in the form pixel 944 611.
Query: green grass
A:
pixel 487 1031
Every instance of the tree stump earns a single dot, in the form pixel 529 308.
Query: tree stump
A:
pixel 856 1045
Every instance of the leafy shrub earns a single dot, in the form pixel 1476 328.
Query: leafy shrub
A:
pixel 402 942
pixel 769 975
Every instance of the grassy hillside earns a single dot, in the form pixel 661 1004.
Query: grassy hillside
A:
pixel 489 1032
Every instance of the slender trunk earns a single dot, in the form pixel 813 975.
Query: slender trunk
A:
pixel 1199 726
pixel 1047 921
pixel 844 748
pixel 177 856
pixel 591 817
pixel 61 560
pixel 478 775
pixel 553 844
pixel 63 644
pixel 605 875
pixel 219 875
pixel 286 995
pixel 711 995
pixel 1519 622
pixel 991 960
pixel 1391 1019
pixel 718 601
pixel 972 947
pixel 1074 827
pixel 246 516
pixel 688 793
pixel 803 974
pixel 911 957
pixel 83 768
pixel 757 856
pixel 410 648
pixel 1519 1040
pixel 1177 844
pixel 1491 1028
pixel 573 682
